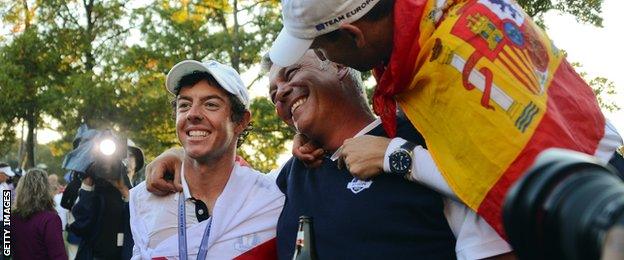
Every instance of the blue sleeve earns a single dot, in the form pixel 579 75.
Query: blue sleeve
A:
pixel 85 213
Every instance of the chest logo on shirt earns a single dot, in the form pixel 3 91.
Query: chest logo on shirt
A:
pixel 356 185
pixel 246 242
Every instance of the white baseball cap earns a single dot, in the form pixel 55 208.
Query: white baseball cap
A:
pixel 225 75
pixel 7 170
pixel 305 20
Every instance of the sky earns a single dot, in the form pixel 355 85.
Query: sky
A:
pixel 595 48
pixel 599 50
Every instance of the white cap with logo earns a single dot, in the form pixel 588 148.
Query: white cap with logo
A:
pixel 304 20
pixel 225 75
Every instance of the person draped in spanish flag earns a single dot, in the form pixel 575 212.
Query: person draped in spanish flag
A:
pixel 482 83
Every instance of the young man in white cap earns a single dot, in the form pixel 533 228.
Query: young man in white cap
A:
pixel 478 79
pixel 225 210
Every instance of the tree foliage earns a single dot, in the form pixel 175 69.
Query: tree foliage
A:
pixel 585 11
pixel 266 142
pixel 103 62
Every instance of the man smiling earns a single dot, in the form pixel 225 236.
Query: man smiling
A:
pixel 382 217
pixel 225 210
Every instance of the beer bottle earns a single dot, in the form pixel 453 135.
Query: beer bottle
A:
pixel 304 246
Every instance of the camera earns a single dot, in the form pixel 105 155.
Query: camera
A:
pixel 563 207
pixel 100 155
pixel 97 154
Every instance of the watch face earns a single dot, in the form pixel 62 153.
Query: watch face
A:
pixel 400 162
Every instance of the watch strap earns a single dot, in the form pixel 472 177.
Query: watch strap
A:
pixel 408 146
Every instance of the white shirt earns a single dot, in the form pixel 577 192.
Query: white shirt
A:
pixel 244 216
pixel 4 186
pixel 475 238
pixel 62 212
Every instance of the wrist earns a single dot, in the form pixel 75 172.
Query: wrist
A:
pixel 401 159
pixel 86 187
pixel 394 144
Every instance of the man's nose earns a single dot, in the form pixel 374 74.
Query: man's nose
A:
pixel 283 91
pixel 195 114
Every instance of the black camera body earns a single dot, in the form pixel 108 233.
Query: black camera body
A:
pixel 563 207
pixel 96 154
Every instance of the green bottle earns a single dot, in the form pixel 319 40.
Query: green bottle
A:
pixel 304 246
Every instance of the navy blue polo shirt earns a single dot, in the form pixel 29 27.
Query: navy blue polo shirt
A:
pixel 387 217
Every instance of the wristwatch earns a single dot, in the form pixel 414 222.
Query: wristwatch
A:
pixel 401 159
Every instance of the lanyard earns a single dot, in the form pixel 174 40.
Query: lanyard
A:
pixel 182 248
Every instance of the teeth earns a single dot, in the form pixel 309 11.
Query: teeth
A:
pixel 197 133
pixel 297 104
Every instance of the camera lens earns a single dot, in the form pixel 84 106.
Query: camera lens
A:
pixel 562 207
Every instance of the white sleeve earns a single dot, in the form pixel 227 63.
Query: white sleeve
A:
pixel 424 169
pixel 136 225
pixel 476 239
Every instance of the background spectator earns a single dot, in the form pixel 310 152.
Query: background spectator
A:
pixel 35 225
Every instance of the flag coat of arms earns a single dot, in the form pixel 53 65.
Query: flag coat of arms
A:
pixel 488 90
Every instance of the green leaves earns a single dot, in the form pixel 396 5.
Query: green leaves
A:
pixel 104 63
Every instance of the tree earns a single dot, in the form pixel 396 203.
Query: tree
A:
pixel 29 76
pixel 586 11
pixel 266 142
pixel 52 56
pixel 68 60
pixel 173 31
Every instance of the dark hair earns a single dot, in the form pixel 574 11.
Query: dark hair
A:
pixel 379 11
pixel 237 108
pixel 3 164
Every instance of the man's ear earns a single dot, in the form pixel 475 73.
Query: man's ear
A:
pixel 242 125
pixel 342 71
pixel 356 34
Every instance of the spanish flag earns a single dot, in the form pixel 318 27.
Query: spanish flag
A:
pixel 488 91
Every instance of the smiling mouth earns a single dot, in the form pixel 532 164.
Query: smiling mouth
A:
pixel 197 134
pixel 297 104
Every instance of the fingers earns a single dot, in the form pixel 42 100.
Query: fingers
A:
pixel 307 151
pixel 156 181
pixel 177 180
pixel 299 141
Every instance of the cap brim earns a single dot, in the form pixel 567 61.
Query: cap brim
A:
pixel 180 70
pixel 8 171
pixel 288 49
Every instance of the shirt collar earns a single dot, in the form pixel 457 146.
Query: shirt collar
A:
pixel 185 187
pixel 365 130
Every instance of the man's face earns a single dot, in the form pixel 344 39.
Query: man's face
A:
pixel 342 49
pixel 3 177
pixel 308 95
pixel 203 123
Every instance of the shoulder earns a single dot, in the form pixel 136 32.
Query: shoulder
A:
pixel 138 192
pixel 283 172
pixel 48 216
pixel 140 197
pixel 261 181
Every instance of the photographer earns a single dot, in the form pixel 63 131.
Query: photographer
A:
pixel 102 218
pixel 97 195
